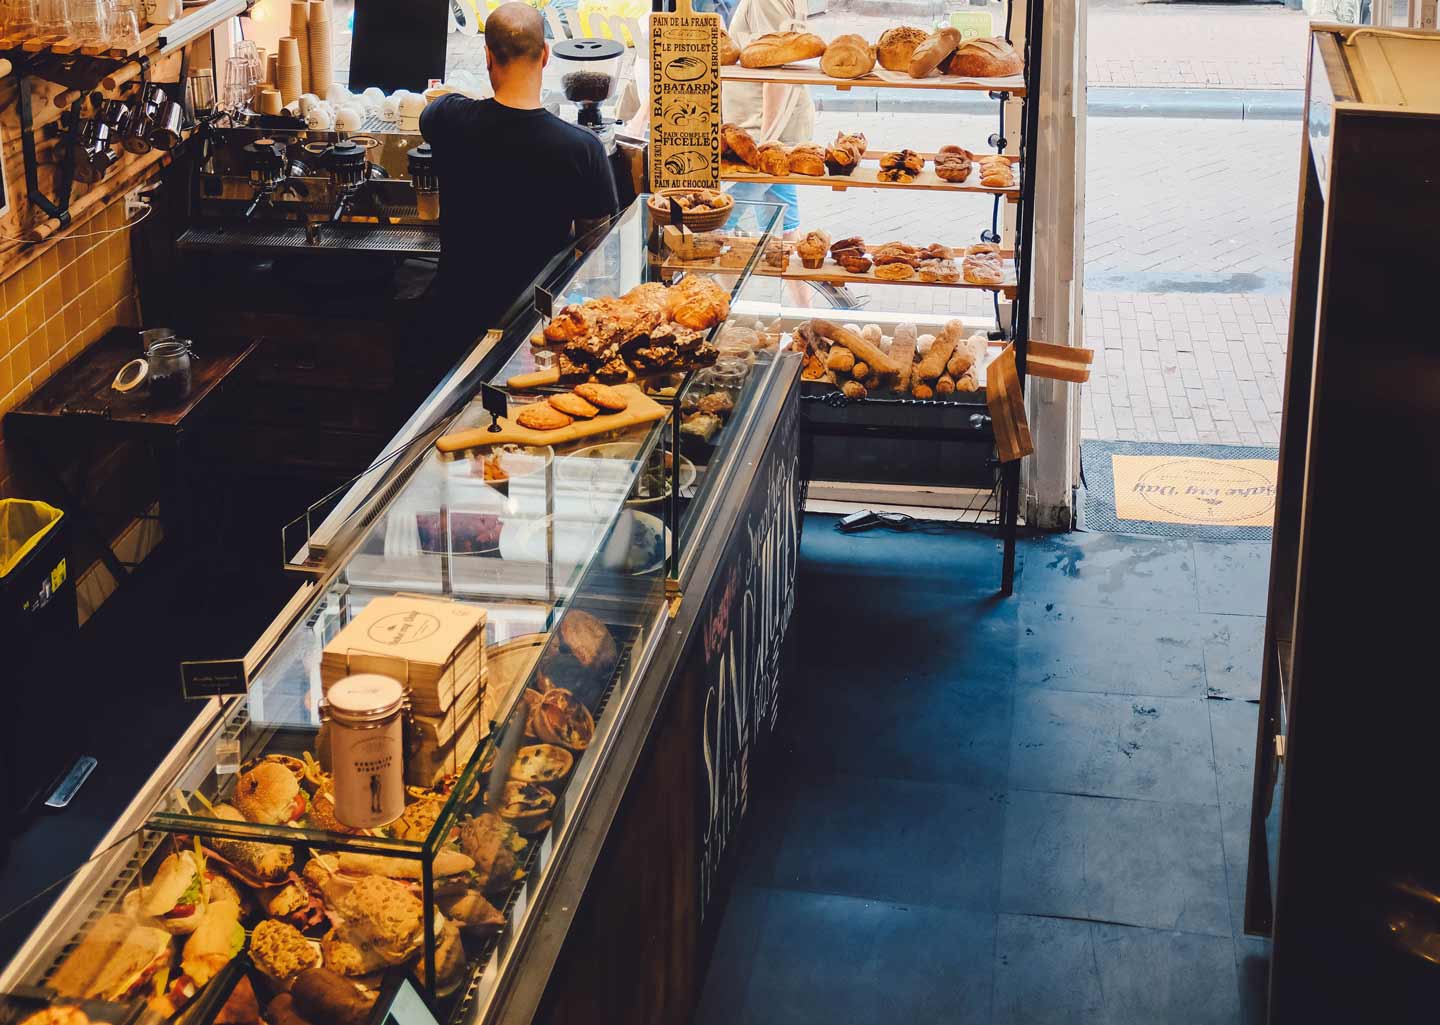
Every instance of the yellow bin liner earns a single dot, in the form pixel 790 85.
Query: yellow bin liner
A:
pixel 23 523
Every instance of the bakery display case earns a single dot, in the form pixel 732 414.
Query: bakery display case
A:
pixel 432 731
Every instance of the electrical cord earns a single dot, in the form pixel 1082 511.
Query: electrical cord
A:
pixel 145 212
pixel 904 523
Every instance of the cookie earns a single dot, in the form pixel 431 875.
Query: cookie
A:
pixel 604 396
pixel 541 416
pixel 573 405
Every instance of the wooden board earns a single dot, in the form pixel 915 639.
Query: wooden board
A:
pixel 684 99
pixel 809 73
pixel 865 178
pixel 642 409
pixel 1007 408
pixel 1058 362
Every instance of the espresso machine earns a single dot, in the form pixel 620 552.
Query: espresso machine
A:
pixel 268 182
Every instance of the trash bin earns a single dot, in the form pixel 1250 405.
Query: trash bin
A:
pixel 37 626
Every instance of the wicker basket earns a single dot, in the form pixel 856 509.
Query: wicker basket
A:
pixel 708 221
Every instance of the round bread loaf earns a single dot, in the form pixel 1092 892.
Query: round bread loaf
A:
pixel 985 58
pixel 898 45
pixel 928 55
pixel 729 52
pixel 848 56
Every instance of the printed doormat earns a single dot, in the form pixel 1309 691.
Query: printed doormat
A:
pixel 1216 492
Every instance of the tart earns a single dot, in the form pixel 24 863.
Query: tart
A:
pixel 541 763
pixel 559 718
pixel 526 806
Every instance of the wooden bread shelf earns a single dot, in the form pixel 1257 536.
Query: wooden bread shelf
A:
pixel 837 275
pixel 810 74
pixel 866 178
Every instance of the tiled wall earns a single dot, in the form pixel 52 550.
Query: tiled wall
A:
pixel 56 305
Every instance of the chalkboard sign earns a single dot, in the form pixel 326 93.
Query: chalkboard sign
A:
pixel 214 678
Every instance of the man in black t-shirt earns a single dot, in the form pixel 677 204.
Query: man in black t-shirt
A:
pixel 517 182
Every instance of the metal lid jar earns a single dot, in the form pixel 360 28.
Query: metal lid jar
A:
pixel 365 713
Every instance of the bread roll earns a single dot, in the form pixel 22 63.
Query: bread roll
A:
pixel 863 349
pixel 985 58
pixel 738 141
pixel 933 365
pixel 848 56
pixel 729 52
pixel 928 55
pixel 897 46
pixel 807 159
pixel 774 159
pixel 776 48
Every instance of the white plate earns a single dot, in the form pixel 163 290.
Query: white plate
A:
pixel 632 549
pixel 611 467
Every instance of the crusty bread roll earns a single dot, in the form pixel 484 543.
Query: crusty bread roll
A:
pixel 897 46
pixel 738 141
pixel 929 54
pixel 776 48
pixel 774 159
pixel 985 58
pixel 848 56
pixel 729 52
pixel 807 159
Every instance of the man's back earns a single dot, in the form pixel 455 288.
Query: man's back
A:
pixel 512 183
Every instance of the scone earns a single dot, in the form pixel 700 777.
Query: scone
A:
pixel 602 395
pixel 807 159
pixel 573 405
pixel 541 416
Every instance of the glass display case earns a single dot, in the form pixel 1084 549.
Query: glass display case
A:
pixel 515 593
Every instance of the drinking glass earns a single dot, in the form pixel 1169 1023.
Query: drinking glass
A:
pixel 124 29
pixel 21 17
pixel 90 21
pixel 237 88
pixel 54 18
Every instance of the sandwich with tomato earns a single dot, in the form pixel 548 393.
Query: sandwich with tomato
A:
pixel 270 795
pixel 217 941
pixel 176 898
pixel 114 961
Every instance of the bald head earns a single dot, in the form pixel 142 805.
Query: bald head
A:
pixel 515 32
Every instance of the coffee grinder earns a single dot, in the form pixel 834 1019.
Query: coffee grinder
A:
pixel 589 76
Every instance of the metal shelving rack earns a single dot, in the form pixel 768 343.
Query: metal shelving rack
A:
pixel 1016 289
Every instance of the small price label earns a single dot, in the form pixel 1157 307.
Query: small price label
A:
pixel 495 401
pixel 544 303
pixel 213 678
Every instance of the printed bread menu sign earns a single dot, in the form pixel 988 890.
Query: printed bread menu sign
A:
pixel 684 99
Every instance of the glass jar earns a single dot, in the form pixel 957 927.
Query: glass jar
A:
pixel 170 363
pixel 365 718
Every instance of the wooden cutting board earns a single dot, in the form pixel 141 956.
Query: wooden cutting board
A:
pixel 642 409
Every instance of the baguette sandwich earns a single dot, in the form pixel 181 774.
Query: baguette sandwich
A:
pixel 114 961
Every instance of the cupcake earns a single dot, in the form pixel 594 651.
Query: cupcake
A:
pixel 812 249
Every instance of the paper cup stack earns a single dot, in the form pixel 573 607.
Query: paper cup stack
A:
pixel 300 30
pixel 321 75
pixel 268 100
pixel 291 77
pixel 272 70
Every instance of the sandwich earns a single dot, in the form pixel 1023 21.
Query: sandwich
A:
pixel 258 864
pixel 321 995
pixel 496 847
pixel 241 1007
pixel 114 961
pixel 269 794
pixel 58 1014
pixel 448 863
pixel 472 912
pixel 216 942
pixel 383 918
pixel 349 959
pixel 280 953
pixel 177 897
pixel 297 904
pixel 449 959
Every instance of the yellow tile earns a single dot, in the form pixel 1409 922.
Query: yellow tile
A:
pixel 12 293
pixel 55 336
pixel 69 249
pixel 19 364
pixel 50 263
pixel 90 304
pixel 53 295
pixel 125 312
pixel 7 379
pixel 70 280
pixel 35 351
pixel 34 313
pixel 87 264
pixel 74 320
pixel 29 279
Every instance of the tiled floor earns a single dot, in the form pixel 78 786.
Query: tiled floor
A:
pixel 987 811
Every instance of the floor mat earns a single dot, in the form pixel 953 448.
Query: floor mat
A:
pixel 1220 492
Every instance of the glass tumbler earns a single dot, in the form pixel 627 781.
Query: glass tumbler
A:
pixel 21 17
pixel 200 93
pixel 124 28
pixel 237 86
pixel 54 18
pixel 90 21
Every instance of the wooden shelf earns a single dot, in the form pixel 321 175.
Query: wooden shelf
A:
pixel 837 275
pixel 866 178
pixel 810 74
pixel 65 45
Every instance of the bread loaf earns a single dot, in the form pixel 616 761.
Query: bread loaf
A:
pixel 774 159
pixel 897 46
pixel 848 56
pixel 985 58
pixel 729 52
pixel 928 55
pixel 738 141
pixel 864 350
pixel 807 159
pixel 776 48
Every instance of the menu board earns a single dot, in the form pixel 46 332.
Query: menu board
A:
pixel 684 99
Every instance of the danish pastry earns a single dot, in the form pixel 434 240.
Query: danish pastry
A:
pixel 894 271
pixel 982 265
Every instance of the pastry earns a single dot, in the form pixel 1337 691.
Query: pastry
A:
pixel 939 270
pixel 935 251
pixel 854 242
pixel 541 416
pixel 717 403
pixel 704 425
pixel 559 718
pixel 898 252
pixel 525 806
pixel 848 56
pixel 854 261
pixel 541 763
pixel 573 405
pixel 933 365
pixel 777 255
pixel 812 249
pixel 845 153
pixel 589 640
pixel 774 159
pixel 696 302
pixel 928 55
pixel 737 140
pixel 995 172
pixel 900 166
pixel 982 265
pixel 729 52
pixel 860 370
pixel 895 271
pixel 776 48
pixel 841 360
pixel 807 159
pixel 601 395
pixel 984 57
pixel 953 163
pixel 898 45
pixel 853 390
pixel 812 368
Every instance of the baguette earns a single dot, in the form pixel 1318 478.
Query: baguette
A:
pixel 933 365
pixel 945 385
pixel 776 48
pixel 863 349
pixel 902 351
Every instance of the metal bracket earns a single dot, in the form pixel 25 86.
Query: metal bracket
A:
pixel 59 207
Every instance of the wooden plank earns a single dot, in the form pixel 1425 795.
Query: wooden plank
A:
pixel 809 73
pixel 865 178
pixel 642 409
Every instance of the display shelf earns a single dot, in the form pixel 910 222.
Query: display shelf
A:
pixel 868 178
pixel 880 78
pixel 839 276
pixel 67 45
